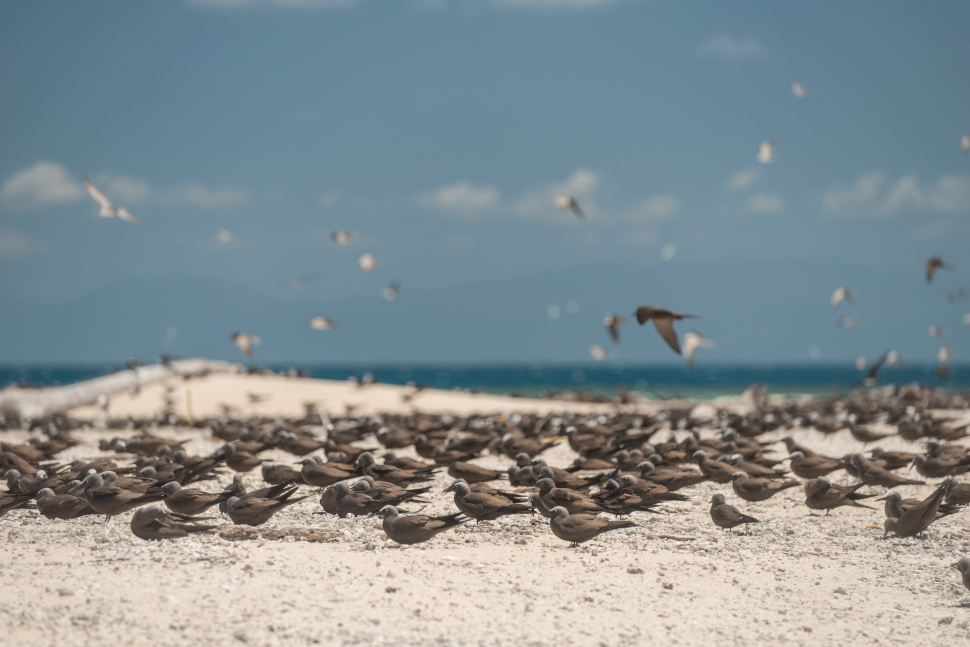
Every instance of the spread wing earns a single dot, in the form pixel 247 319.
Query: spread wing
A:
pixel 124 214
pixel 665 326
pixel 99 197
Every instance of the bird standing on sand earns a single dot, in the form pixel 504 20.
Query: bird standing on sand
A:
pixel 245 342
pixel 577 528
pixel 415 528
pixel 319 322
pixel 108 210
pixel 693 341
pixel 840 295
pixel 727 516
pixel 663 321
pixel 154 523
pixel 613 323
pixel 918 518
pixel 568 202
pixel 963 565
pixel 932 265
pixel 766 152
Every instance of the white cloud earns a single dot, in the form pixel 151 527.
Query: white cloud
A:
pixel 462 199
pixel 15 244
pixel 45 184
pixel 654 209
pixel 731 50
pixel 581 184
pixel 764 204
pixel 873 195
pixel 193 195
pixel 329 199
pixel 557 4
pixel 124 190
pixel 275 4
pixel 743 179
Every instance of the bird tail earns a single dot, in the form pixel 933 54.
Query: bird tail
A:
pixel 616 525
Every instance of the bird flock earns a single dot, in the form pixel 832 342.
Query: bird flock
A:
pixel 628 464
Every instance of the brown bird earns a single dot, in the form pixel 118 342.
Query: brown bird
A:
pixel 717 471
pixel 109 499
pixel 963 565
pixel 864 435
pixel 959 494
pixel 873 474
pixel 663 321
pixel 646 490
pixel 727 516
pixel 471 473
pixel 240 460
pixel 357 503
pixel 812 467
pixel 758 489
pixel 512 446
pixel 820 494
pixel 613 323
pixel 370 467
pixel 154 523
pixel 573 501
pixel 322 474
pixel 254 511
pixel 896 505
pixel 275 473
pixel 388 493
pixel 403 462
pixel 189 501
pixel 10 502
pixel 892 460
pixel 918 518
pixel 938 467
pixel 415 528
pixel 483 507
pixel 932 265
pixel 577 528
pixel 671 478
pixel 62 506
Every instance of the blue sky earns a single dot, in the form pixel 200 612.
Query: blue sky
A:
pixel 442 132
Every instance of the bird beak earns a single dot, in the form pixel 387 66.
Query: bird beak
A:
pixel 882 498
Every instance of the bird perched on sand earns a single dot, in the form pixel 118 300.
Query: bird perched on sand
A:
pixel 918 518
pixel 727 516
pixel 821 494
pixel 613 323
pixel 932 265
pixel 109 210
pixel 367 261
pixel 577 528
pixel 245 342
pixel 663 321
pixel 840 295
pixel 154 523
pixel 766 152
pixel 568 202
pixel 390 292
pixel 415 528
pixel 343 237
pixel 693 341
pixel 319 322
pixel 597 352
pixel 963 565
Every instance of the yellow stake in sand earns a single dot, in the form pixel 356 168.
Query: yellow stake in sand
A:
pixel 188 406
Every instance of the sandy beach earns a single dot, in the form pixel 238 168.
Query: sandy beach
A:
pixel 674 579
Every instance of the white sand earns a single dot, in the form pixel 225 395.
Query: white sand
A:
pixel 798 578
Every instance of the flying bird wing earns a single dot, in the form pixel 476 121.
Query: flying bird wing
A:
pixel 693 341
pixel 874 369
pixel 665 326
pixel 124 214
pixel 106 206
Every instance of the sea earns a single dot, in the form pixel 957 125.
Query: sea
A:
pixel 541 380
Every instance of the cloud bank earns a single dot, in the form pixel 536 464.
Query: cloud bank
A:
pixel 873 195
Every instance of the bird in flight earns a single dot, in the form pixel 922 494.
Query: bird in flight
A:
pixel 597 352
pixel 245 342
pixel 319 322
pixel 840 295
pixel 798 90
pixel 343 237
pixel 390 292
pixel 766 152
pixel 935 331
pixel 965 144
pixel 613 323
pixel 693 341
pixel 935 263
pixel 367 261
pixel 873 376
pixel 108 210
pixel 663 321
pixel 568 202
pixel 943 355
